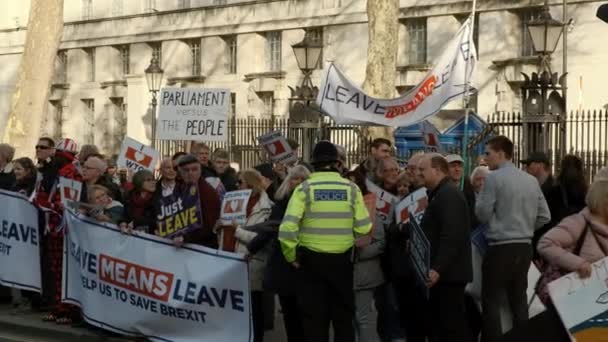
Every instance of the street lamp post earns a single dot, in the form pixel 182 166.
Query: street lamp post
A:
pixel 307 55
pixel 543 92
pixel 154 78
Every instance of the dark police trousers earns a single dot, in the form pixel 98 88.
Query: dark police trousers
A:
pixel 325 294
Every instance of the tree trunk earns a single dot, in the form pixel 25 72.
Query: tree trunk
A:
pixel 383 16
pixel 30 98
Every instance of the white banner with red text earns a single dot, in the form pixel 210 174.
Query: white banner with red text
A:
pixel 345 102
pixel 19 242
pixel 144 286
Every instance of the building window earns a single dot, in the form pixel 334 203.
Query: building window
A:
pixel 220 2
pixel 267 98
pixel 195 53
pixel 90 64
pixel 181 4
pixel 87 9
pixel 89 120
pixel 125 59
pixel 119 128
pixel 232 105
pixel 230 55
pixel 315 35
pixel 157 51
pixel 527 47
pixel 62 66
pixel 150 6
pixel 273 40
pixel 416 30
pixel 117 8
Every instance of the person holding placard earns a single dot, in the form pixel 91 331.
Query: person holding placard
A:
pixel 258 210
pixel 446 223
pixel 190 169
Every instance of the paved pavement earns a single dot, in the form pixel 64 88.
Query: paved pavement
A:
pixel 29 327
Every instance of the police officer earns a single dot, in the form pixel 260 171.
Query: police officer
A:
pixel 325 216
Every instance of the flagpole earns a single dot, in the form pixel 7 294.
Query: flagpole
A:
pixel 466 100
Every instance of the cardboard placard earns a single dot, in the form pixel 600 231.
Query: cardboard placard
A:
pixel 136 156
pixel 70 190
pixel 198 114
pixel 234 207
pixel 277 147
pixel 180 213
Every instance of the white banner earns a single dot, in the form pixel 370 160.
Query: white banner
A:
pixel 413 204
pixel 136 156
pixel 19 242
pixel 193 114
pixel 143 285
pixel 582 304
pixel 347 103
pixel 234 207
pixel 277 147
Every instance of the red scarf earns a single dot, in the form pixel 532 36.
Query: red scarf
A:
pixel 253 200
pixel 140 201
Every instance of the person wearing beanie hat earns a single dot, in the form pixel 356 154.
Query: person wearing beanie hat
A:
pixel 325 216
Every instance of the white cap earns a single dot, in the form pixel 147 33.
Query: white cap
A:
pixel 453 158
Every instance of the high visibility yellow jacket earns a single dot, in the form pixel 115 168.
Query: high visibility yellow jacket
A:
pixel 325 214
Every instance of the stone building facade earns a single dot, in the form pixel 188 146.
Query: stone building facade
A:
pixel 99 93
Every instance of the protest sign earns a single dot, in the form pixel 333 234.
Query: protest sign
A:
pixel 142 285
pixel 582 304
pixel 19 242
pixel 385 202
pixel 70 190
pixel 345 102
pixel 136 156
pixel 430 136
pixel 234 207
pixel 414 203
pixel 193 114
pixel 277 147
pixel 180 213
pixel 420 253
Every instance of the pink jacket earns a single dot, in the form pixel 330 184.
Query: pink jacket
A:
pixel 557 245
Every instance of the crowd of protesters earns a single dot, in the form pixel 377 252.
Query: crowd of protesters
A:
pixel 527 215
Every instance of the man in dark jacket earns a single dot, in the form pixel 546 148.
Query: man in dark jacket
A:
pixel 221 165
pixel 455 172
pixel 190 169
pixel 446 223
pixel 380 149
pixel 538 165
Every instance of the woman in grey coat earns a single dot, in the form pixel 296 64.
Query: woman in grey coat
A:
pixel 368 273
